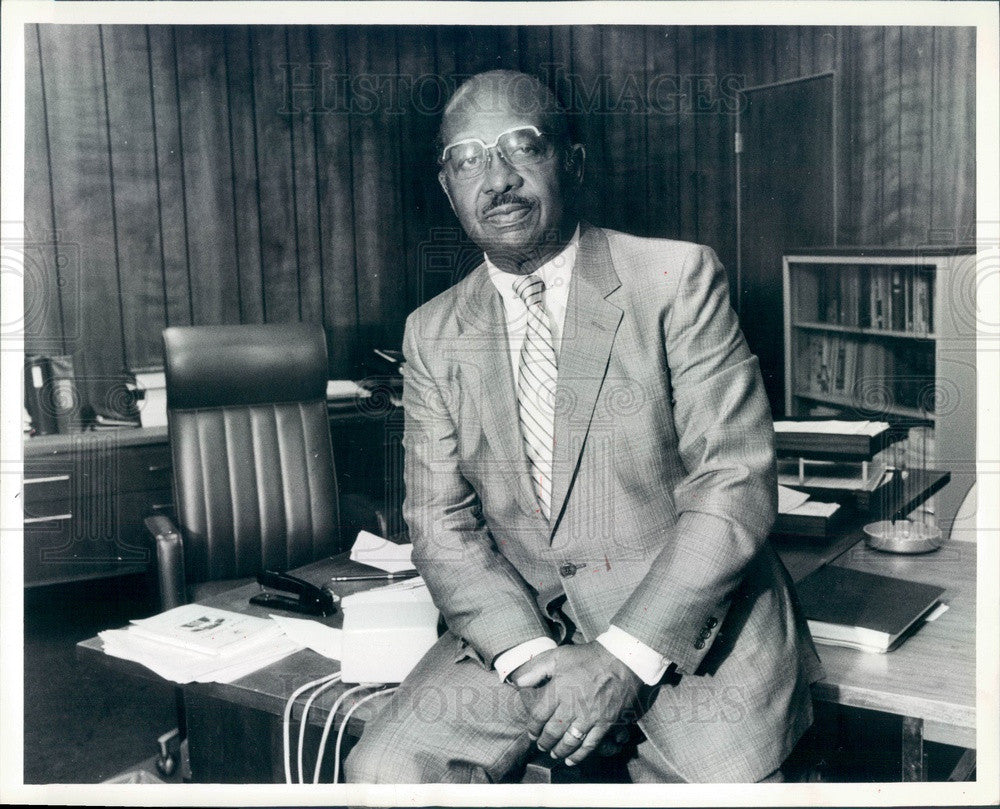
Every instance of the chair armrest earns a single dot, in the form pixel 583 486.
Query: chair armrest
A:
pixel 169 561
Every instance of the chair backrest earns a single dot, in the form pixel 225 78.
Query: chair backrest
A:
pixel 254 482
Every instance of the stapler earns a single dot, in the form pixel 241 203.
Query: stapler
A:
pixel 307 598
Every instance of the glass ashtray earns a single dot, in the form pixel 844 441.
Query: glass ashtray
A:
pixel 902 536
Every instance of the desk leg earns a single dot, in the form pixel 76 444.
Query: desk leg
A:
pixel 913 764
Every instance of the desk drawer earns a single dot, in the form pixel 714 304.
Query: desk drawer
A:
pixel 65 540
pixel 144 468
pixel 42 485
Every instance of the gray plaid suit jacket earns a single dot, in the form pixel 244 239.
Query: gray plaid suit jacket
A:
pixel 663 495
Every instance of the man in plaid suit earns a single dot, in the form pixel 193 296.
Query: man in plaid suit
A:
pixel 590 482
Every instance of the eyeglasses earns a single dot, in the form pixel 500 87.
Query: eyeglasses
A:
pixel 521 146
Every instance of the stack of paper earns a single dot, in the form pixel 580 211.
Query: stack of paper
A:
pixel 832 427
pixel 152 384
pixel 195 643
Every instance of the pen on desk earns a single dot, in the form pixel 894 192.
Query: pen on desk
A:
pixel 410 574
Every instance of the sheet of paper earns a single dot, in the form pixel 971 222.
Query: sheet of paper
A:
pixel 326 640
pixel 814 508
pixel 832 427
pixel 377 552
pixel 789 499
pixel 345 389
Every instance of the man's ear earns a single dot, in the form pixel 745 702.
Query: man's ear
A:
pixel 574 161
pixel 444 185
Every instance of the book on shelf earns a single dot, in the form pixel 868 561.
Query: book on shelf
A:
pixel 861 610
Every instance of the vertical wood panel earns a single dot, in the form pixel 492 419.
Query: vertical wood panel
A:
pixel 890 136
pixel 43 329
pixel 824 49
pixel 871 61
pixel 279 234
pixel 378 232
pixel 171 191
pixel 624 62
pixel 304 176
pixel 134 162
pixel 916 74
pixel 953 134
pixel 787 59
pixel 534 52
pixel 336 204
pixel 848 143
pixel 424 207
pixel 587 90
pixel 243 186
pixel 687 175
pixel 204 121
pixel 82 195
pixel 662 132
pixel 714 138
pixel 481 48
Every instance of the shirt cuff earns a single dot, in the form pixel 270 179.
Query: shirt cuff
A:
pixel 648 664
pixel 520 654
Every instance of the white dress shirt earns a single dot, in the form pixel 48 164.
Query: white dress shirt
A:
pixel 648 664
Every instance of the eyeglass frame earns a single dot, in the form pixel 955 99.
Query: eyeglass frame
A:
pixel 489 148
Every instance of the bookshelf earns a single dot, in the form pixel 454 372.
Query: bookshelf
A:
pixel 887 333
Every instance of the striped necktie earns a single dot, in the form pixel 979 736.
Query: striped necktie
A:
pixel 536 389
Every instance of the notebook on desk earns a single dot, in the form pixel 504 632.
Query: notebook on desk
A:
pixel 865 611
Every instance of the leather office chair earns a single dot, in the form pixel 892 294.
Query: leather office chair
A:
pixel 253 469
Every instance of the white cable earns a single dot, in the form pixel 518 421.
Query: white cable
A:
pixel 303 720
pixel 343 727
pixel 329 723
pixel 286 723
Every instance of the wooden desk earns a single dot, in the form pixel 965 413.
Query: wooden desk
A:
pixel 234 730
pixel 930 680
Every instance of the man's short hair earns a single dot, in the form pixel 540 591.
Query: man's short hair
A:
pixel 524 92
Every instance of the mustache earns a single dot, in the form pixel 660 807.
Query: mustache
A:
pixel 507 198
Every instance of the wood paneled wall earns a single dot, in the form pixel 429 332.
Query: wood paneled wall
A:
pixel 257 174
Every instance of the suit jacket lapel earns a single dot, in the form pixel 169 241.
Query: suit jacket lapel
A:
pixel 484 340
pixel 588 335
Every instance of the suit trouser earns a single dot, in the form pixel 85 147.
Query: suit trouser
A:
pixel 455 722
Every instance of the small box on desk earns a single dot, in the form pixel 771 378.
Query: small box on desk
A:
pixel 386 631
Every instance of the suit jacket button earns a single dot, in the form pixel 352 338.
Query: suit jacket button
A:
pixel 567 569
pixel 705 634
pixel 712 622
pixel 699 644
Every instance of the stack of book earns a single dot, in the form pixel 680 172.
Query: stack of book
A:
pixel 195 643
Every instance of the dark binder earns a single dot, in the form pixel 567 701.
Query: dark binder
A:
pixel 65 397
pixel 38 394
pixel 855 608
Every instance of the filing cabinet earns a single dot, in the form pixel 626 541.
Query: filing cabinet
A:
pixel 85 497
